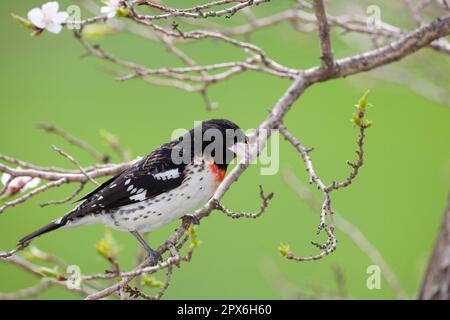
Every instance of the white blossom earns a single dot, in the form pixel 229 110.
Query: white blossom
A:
pixel 18 184
pixel 111 8
pixel 47 17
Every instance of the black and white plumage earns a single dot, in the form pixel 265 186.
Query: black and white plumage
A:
pixel 157 189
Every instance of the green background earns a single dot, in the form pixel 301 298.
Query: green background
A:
pixel 397 200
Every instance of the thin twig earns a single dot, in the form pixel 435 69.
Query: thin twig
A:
pixel 75 162
pixel 355 234
pixel 237 215
pixel 75 141
pixel 28 292
pixel 65 200
pixel 32 193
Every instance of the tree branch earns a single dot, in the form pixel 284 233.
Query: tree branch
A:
pixel 326 52
pixel 435 285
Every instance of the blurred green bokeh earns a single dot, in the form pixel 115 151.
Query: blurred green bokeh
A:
pixel 397 201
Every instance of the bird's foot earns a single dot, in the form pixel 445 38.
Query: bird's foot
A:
pixel 191 218
pixel 154 257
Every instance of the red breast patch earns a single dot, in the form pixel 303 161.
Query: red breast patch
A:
pixel 219 174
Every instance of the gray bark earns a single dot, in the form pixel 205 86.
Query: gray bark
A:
pixel 436 283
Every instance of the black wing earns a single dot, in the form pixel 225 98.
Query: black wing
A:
pixel 146 179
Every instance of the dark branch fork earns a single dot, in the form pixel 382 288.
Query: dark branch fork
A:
pixel 197 78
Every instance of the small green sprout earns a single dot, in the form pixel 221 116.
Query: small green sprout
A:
pixel 195 242
pixel 358 118
pixel 22 21
pixel 107 247
pixel 123 12
pixel 151 282
pixel 35 254
pixel 95 31
pixel 362 103
pixel 109 138
pixel 284 249
pixel 51 273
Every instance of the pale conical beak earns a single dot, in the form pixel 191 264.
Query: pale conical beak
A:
pixel 241 149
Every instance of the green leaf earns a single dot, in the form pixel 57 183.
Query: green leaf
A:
pixel 22 21
pixel 356 120
pixel 363 101
pixel 284 249
pixel 123 12
pixel 151 282
pixel 49 273
pixel 107 247
pixel 35 254
pixel 95 31
pixel 195 242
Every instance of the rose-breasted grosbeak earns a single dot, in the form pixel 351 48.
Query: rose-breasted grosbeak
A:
pixel 167 184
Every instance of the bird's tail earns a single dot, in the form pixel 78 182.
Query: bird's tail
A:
pixel 25 241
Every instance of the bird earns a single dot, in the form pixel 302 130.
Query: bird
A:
pixel 166 185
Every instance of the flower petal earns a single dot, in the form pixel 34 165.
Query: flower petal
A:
pixel 112 14
pixel 61 17
pixel 107 10
pixel 33 183
pixel 50 9
pixel 36 17
pixel 53 28
pixel 5 178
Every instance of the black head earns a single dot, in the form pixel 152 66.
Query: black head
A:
pixel 213 139
pixel 221 125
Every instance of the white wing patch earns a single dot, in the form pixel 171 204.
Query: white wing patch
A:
pixel 166 175
pixel 58 221
pixel 139 197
